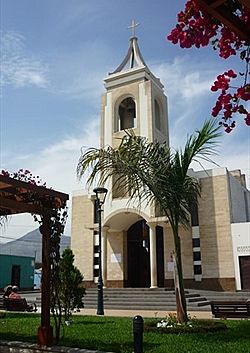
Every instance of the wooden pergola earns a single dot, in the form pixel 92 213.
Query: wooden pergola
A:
pixel 220 10
pixel 17 197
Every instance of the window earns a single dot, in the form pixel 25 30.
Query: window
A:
pixel 196 256
pixel 96 260
pixel 196 242
pixel 96 249
pixel 197 270
pixel 127 114
pixel 194 215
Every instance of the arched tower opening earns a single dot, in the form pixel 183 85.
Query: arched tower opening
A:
pixel 127 114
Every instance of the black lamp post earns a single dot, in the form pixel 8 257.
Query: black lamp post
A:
pixel 100 198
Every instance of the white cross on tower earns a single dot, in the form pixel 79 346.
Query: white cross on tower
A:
pixel 132 27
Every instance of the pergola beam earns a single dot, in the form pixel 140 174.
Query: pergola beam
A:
pixel 246 3
pixel 17 196
pixel 219 10
pixel 14 207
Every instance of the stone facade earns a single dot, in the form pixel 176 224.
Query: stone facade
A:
pixel 215 229
pixel 217 259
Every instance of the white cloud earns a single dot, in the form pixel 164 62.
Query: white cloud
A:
pixel 187 86
pixel 182 78
pixel 194 85
pixel 17 67
pixel 79 74
pixel 56 165
pixel 81 86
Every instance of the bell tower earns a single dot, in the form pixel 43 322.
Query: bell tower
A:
pixel 134 99
pixel 132 234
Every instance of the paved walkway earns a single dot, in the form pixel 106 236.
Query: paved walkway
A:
pixel 144 313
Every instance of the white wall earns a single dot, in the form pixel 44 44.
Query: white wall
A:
pixel 241 246
pixel 239 211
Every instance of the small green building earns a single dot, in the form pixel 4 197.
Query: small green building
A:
pixel 17 270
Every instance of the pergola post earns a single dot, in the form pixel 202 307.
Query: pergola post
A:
pixel 45 331
pixel 16 197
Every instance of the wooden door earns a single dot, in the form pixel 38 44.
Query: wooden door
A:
pixel 245 271
pixel 138 256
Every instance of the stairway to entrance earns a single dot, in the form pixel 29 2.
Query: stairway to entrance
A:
pixel 157 299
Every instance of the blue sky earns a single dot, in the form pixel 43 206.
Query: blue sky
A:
pixel 54 57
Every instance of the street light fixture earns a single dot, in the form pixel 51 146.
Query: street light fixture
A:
pixel 100 198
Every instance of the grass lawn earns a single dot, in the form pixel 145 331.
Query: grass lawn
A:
pixel 115 334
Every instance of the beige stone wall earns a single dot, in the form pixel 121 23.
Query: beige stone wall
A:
pixel 215 229
pixel 186 250
pixel 115 246
pixel 82 239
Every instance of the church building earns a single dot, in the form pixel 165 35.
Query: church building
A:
pixel 137 242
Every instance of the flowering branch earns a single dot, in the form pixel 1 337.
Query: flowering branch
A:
pixel 24 175
pixel 58 215
pixel 197 28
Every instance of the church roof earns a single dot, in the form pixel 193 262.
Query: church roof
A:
pixel 134 58
pixel 132 67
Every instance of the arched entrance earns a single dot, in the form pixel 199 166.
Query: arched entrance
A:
pixel 138 256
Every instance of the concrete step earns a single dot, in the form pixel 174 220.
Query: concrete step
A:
pixel 144 306
pixel 196 299
pixel 213 294
pixel 141 302
pixel 158 299
pixel 143 298
pixel 203 303
pixel 127 289
pixel 227 297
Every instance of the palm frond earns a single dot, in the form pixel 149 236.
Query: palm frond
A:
pixel 148 171
pixel 202 144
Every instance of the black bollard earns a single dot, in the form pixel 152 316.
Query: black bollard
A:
pixel 138 334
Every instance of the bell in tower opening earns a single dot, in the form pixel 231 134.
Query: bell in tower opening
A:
pixel 127 114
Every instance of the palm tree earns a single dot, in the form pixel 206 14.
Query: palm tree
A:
pixel 152 173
